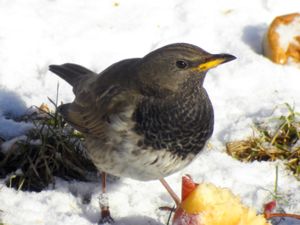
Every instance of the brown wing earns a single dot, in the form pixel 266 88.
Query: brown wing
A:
pixel 91 116
pixel 97 96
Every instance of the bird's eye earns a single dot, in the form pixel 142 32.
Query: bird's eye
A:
pixel 181 64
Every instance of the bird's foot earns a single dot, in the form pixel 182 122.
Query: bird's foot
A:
pixel 106 219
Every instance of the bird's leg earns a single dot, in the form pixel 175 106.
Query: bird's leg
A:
pixel 170 191
pixel 103 202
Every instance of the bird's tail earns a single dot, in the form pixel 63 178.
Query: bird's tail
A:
pixel 71 73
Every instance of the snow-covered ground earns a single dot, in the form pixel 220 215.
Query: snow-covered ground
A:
pixel 36 33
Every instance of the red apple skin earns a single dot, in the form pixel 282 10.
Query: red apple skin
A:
pixel 183 218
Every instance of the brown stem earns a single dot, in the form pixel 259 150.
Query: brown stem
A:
pixel 166 208
pixel 282 215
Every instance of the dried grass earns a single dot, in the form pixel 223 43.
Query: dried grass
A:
pixel 268 144
pixel 52 148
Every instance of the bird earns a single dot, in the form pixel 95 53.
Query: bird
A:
pixel 143 118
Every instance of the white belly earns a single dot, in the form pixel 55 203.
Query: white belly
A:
pixel 140 164
pixel 120 156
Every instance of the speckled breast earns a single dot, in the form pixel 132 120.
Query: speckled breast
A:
pixel 182 126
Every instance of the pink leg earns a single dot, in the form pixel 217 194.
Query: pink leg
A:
pixel 170 191
pixel 103 202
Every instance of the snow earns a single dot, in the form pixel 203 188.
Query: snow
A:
pixel 11 106
pixel 36 33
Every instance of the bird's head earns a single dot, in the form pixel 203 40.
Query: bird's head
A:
pixel 168 68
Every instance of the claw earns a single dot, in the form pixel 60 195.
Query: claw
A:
pixel 106 219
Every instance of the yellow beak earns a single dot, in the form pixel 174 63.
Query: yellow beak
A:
pixel 213 61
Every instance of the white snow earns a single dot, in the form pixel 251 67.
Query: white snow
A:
pixel 11 106
pixel 36 33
